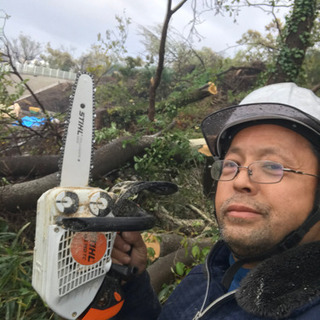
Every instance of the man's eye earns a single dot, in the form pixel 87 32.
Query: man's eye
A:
pixel 272 167
pixel 229 164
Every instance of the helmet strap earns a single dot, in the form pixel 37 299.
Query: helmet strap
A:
pixel 295 237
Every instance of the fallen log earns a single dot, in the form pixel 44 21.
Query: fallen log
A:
pixel 185 226
pixel 116 153
pixel 28 166
pixel 23 196
pixel 161 270
pixel 165 243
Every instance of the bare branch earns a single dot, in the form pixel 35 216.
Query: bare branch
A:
pixel 178 6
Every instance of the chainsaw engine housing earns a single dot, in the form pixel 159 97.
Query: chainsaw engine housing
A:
pixel 69 267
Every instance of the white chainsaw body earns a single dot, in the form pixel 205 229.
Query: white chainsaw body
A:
pixel 69 267
pixel 76 225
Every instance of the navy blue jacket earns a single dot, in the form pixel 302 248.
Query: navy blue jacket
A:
pixel 285 286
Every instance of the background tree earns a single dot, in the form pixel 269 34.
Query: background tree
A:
pixel 113 42
pixel 312 68
pixel 294 41
pixel 24 49
pixel 155 81
pixel 97 62
pixel 260 46
pixel 108 52
pixel 59 59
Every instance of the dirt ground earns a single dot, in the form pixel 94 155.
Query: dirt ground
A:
pixel 53 93
pixel 54 99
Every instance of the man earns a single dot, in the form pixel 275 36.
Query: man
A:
pixel 267 203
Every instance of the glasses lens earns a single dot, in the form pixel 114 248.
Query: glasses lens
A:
pixel 266 171
pixel 224 170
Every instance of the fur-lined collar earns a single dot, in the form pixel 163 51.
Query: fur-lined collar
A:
pixel 282 283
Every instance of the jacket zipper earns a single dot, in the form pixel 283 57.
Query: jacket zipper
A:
pixel 216 303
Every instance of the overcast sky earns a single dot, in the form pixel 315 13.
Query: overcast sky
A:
pixel 75 24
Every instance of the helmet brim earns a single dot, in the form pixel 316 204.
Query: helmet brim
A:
pixel 218 127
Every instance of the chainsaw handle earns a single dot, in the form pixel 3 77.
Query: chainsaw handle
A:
pixel 106 224
pixel 124 272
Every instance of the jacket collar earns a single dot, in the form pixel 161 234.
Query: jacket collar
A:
pixel 283 283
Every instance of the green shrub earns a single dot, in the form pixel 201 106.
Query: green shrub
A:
pixel 107 134
pixel 167 154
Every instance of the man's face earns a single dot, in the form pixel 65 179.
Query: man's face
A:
pixel 253 217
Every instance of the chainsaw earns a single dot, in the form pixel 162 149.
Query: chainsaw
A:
pixel 76 224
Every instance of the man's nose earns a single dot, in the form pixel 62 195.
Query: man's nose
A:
pixel 242 181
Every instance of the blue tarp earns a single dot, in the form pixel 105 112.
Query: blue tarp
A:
pixel 30 121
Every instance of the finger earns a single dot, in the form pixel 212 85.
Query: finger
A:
pixel 133 238
pixel 121 244
pixel 120 257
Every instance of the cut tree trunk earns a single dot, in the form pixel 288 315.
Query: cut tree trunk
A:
pixel 191 97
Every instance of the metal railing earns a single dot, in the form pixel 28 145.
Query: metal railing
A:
pixel 43 71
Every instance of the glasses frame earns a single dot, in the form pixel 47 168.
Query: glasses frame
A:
pixel 250 171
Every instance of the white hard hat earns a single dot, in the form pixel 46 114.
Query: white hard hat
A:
pixel 285 104
pixel 287 93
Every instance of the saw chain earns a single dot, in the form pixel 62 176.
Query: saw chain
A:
pixel 76 225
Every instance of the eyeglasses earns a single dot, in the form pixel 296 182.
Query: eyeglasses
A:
pixel 263 171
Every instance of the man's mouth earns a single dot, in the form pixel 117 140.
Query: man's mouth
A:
pixel 242 211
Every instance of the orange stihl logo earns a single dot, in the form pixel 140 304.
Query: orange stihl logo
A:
pixel 88 248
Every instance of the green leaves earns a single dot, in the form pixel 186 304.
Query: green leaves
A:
pixel 165 292
pixel 180 268
pixel 167 154
pixel 196 252
pixel 18 300
pixel 108 134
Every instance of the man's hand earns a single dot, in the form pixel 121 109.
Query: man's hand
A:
pixel 130 249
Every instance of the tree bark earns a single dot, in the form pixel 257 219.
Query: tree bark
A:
pixel 297 39
pixel 169 242
pixel 24 196
pixel 30 166
pixel 116 153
